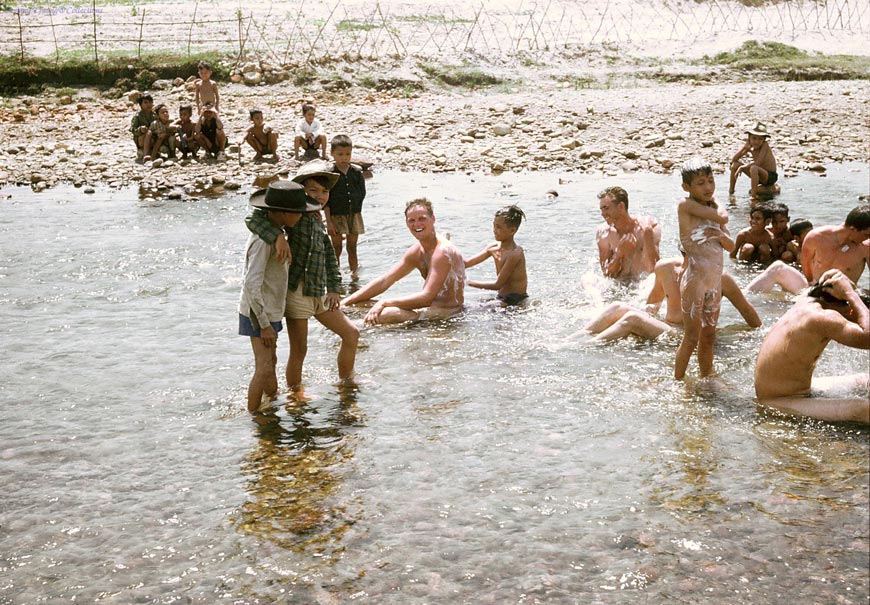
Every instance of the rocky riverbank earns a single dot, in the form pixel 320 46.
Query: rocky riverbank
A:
pixel 82 137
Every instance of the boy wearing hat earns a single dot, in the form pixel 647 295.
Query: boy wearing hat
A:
pixel 314 281
pixel 264 287
pixel 762 169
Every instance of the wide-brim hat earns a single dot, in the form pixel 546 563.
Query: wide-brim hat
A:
pixel 760 130
pixel 319 168
pixel 283 196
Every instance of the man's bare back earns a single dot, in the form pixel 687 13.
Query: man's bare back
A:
pixel 790 351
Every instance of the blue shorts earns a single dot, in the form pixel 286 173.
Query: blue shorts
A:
pixel 248 326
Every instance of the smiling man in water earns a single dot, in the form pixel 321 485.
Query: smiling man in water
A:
pixel 438 261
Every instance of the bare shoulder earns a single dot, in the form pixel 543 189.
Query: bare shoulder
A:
pixel 603 230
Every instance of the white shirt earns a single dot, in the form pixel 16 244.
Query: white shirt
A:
pixel 264 288
pixel 303 128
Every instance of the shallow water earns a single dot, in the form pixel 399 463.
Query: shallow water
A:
pixel 481 460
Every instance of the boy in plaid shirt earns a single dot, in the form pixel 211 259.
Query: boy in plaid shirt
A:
pixel 313 278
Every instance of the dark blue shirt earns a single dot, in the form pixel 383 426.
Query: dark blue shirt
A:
pixel 349 192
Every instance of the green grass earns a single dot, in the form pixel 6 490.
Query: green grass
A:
pixel 457 75
pixel 439 19
pixel 790 62
pixel 78 69
pixel 346 25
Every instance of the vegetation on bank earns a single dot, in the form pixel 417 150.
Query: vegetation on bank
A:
pixel 775 60
pixel 753 59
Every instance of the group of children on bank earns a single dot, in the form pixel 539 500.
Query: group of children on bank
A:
pixel 155 134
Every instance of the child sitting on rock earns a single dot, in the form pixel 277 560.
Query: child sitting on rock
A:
pixel 261 137
pixel 140 123
pixel 309 134
pixel 209 133
pixel 762 169
pixel 160 137
pixel 185 131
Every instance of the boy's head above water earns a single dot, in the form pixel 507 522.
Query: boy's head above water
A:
pixel 698 180
pixel 511 215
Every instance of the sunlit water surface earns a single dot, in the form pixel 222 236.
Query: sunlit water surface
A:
pixel 481 460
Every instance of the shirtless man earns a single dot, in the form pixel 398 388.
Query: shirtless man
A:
pixel 438 261
pixel 619 320
pixel 628 247
pixel 846 248
pixel 832 310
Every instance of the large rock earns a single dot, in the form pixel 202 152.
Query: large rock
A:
pixel 501 129
pixel 252 78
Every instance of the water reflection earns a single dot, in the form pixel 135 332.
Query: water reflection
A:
pixel 295 473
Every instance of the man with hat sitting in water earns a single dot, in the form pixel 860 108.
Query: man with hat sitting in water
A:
pixel 437 260
pixel 831 310
pixel 762 169
pixel 264 287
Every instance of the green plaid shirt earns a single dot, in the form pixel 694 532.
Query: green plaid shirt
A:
pixel 141 119
pixel 313 256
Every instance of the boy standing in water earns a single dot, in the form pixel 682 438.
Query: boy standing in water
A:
pixel 703 236
pixel 313 282
pixel 762 169
pixel 510 260
pixel 344 210
pixel 264 287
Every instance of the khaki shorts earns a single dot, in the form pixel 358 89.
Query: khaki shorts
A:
pixel 349 224
pixel 299 306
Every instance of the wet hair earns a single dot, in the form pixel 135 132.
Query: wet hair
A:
pixel 779 208
pixel 254 112
pixel 618 194
pixel 693 168
pixel 186 107
pixel 818 290
pixel 203 65
pixel 340 140
pixel 512 215
pixel 799 225
pixel 423 202
pixel 143 98
pixel 306 107
pixel 765 210
pixel 859 217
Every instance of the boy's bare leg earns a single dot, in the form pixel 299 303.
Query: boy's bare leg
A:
pixel 832 410
pixel 337 322
pixel 735 172
pixel 264 381
pixel 297 143
pixel 634 322
pixel 395 315
pixel 778 273
pixel 609 316
pixel 297 333
pixel 352 260
pixel 691 335
pixel 732 292
pixel 706 340
pixel 273 145
pixel 746 252
pixel 336 246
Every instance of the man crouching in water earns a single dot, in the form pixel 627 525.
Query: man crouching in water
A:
pixel 438 261
pixel 830 310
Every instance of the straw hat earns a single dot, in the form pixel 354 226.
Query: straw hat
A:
pixel 284 196
pixel 760 130
pixel 320 168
